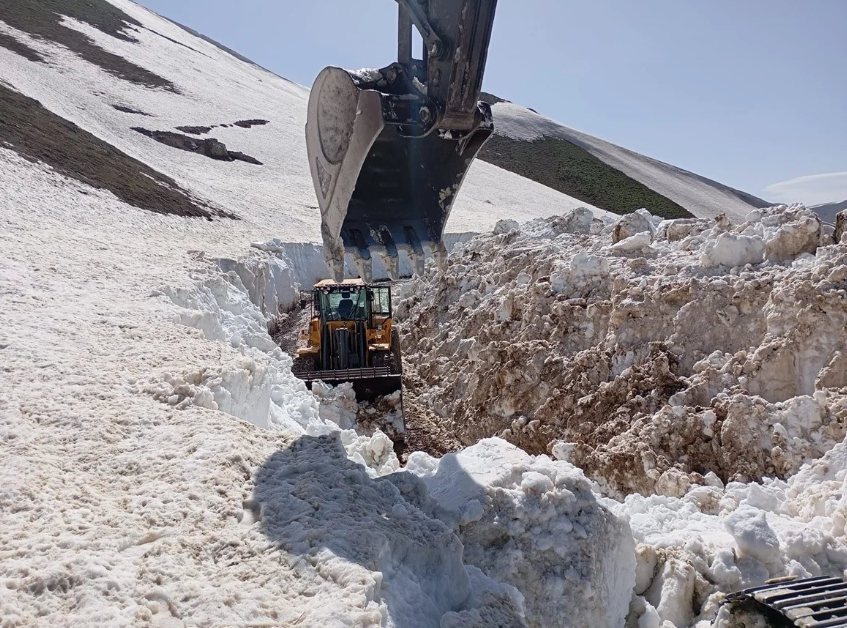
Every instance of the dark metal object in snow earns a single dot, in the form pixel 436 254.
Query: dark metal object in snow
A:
pixel 368 383
pixel 808 603
pixel 388 149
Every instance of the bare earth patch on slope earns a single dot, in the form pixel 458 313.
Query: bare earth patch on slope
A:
pixel 247 124
pixel 209 147
pixel 194 130
pixel 40 135
pixel 43 19
pixel 125 109
pixel 202 130
pixel 20 48
pixel 566 167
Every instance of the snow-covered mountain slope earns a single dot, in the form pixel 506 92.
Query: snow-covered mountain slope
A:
pixel 828 211
pixel 212 88
pixel 668 189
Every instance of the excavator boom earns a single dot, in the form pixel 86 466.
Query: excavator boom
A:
pixel 389 149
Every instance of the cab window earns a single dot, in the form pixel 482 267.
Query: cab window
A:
pixel 381 305
pixel 344 305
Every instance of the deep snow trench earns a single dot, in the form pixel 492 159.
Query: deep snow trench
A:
pixel 129 496
pixel 137 490
pixel 513 534
pixel 705 358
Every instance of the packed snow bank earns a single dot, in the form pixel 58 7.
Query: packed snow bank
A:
pixel 534 523
pixel 406 565
pixel 235 302
pixel 714 540
pixel 660 363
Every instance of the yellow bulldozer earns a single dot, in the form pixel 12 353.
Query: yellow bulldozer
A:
pixel 351 338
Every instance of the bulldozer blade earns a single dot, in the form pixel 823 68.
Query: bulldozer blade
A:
pixel 369 383
pixel 385 176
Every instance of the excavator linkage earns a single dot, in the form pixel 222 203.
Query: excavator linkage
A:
pixel 389 149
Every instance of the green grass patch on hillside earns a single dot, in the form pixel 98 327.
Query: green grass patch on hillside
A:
pixel 43 19
pixel 39 135
pixel 566 167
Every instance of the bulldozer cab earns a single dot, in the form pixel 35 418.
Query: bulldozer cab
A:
pixel 351 301
pixel 351 338
pixel 343 305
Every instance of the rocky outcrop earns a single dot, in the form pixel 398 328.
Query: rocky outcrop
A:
pixel 210 147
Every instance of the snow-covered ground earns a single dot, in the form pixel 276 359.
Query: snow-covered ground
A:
pixel 161 465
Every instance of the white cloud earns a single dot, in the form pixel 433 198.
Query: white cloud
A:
pixel 812 190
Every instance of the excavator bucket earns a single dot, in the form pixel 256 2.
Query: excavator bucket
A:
pixel 389 149
pixel 382 188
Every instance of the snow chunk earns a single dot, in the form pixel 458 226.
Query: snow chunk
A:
pixel 733 250
pixel 635 242
pixel 632 224
pixel 556 541
pixel 505 226
pixel 582 274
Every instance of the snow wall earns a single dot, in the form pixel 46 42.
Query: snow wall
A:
pixel 509 536
pixel 533 531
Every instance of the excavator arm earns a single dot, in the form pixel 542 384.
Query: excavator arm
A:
pixel 456 36
pixel 388 149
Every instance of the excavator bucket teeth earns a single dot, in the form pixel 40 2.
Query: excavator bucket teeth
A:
pixel 385 176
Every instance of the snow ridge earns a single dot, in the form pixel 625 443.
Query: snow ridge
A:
pixel 700 196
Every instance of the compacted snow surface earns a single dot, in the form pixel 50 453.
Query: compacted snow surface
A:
pixel 162 466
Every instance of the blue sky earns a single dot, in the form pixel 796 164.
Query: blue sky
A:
pixel 752 93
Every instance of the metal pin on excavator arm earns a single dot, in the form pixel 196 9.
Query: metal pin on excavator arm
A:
pixel 388 149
